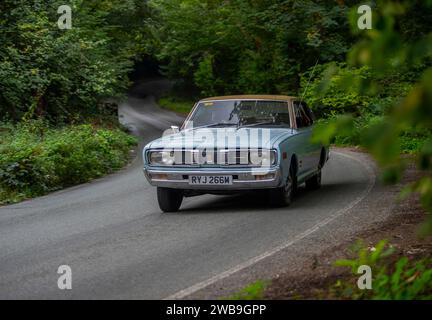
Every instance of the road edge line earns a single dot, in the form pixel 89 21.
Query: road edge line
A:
pixel 248 263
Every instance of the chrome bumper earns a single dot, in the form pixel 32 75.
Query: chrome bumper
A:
pixel 243 179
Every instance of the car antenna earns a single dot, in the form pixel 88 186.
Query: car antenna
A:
pixel 307 85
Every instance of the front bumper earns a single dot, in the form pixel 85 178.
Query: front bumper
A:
pixel 243 179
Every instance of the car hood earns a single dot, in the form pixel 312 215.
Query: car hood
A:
pixel 222 138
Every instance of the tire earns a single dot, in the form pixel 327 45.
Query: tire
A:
pixel 169 199
pixel 282 197
pixel 314 182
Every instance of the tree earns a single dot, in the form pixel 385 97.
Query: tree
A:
pixel 397 43
pixel 255 46
pixel 45 71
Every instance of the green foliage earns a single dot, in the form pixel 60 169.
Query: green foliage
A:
pixel 412 141
pixel 176 104
pixel 366 256
pixel 401 279
pixel 204 76
pixel 331 79
pixel 45 71
pixel 250 46
pixel 254 291
pixel 347 130
pixel 36 159
pixel 336 88
pixel 395 53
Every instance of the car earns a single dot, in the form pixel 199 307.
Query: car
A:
pixel 234 144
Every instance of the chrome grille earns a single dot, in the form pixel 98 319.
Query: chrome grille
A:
pixel 213 157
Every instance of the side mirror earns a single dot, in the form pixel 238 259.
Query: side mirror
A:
pixel 170 131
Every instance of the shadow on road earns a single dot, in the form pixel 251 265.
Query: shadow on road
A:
pixel 257 200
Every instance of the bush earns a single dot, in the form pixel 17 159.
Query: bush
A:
pixel 176 103
pixel 338 89
pixel 401 279
pixel 359 129
pixel 36 159
pixel 45 71
pixel 413 140
pixel 338 99
pixel 254 291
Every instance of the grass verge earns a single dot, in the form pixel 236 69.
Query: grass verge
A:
pixel 401 265
pixel 254 291
pixel 36 159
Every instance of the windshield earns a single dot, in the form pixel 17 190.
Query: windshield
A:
pixel 240 113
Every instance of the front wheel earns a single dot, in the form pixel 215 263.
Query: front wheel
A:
pixel 283 196
pixel 169 199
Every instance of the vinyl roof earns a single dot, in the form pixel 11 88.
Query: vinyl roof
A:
pixel 252 97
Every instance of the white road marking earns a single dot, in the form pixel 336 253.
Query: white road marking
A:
pixel 201 285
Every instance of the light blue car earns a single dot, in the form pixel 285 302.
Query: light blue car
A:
pixel 234 144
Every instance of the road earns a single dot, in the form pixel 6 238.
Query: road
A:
pixel 119 245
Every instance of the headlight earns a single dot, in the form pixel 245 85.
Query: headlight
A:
pixel 162 158
pixel 262 157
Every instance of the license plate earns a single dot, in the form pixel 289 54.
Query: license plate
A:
pixel 210 180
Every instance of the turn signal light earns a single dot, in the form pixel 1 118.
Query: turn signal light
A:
pixel 268 176
pixel 156 176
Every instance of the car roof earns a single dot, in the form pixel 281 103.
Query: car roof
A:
pixel 252 97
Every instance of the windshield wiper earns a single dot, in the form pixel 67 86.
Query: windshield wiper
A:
pixel 255 124
pixel 214 125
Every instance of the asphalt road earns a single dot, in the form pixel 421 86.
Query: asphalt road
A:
pixel 119 245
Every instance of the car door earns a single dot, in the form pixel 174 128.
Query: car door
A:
pixel 307 150
pixel 315 148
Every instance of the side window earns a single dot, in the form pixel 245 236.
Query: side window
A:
pixel 298 115
pixel 304 117
pixel 308 112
